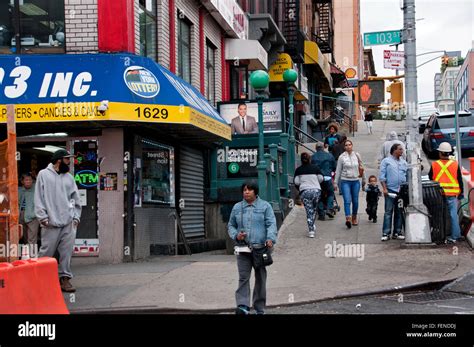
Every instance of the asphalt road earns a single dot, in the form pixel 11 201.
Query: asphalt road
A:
pixel 409 303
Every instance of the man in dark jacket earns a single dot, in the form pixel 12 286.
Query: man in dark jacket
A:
pixel 327 164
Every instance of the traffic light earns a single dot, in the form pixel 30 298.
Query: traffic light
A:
pixel 396 92
pixel 445 60
pixel 371 92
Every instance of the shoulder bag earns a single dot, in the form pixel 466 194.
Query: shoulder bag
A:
pixel 260 256
pixel 361 166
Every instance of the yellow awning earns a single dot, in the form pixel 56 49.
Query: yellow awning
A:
pixel 314 56
pixel 311 52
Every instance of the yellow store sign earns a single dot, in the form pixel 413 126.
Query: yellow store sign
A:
pixel 282 64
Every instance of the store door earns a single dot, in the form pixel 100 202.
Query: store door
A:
pixel 87 178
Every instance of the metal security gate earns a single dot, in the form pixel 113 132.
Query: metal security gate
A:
pixel 192 192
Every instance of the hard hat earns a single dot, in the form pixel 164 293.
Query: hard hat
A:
pixel 445 147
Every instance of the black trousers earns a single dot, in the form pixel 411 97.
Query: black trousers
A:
pixel 372 209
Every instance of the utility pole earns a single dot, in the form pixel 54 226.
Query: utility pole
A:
pixel 417 228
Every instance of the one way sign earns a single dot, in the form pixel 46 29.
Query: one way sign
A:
pixel 393 60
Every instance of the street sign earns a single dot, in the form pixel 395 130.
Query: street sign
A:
pixel 393 60
pixel 382 38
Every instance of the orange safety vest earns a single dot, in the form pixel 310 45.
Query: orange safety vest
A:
pixel 446 172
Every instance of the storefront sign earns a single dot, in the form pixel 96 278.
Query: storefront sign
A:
pixel 141 81
pixel 86 247
pixel 101 87
pixel 272 116
pixel 283 63
pixel 86 178
pixel 229 14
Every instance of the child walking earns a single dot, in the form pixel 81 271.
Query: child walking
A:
pixel 372 198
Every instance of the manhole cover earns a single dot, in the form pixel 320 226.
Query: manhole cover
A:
pixel 422 298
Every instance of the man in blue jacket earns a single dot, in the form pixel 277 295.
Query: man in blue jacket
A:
pixel 58 209
pixel 327 164
pixel 252 222
pixel 393 172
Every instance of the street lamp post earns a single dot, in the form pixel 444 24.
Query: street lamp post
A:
pixel 290 76
pixel 259 80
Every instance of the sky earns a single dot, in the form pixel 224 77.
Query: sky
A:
pixel 441 25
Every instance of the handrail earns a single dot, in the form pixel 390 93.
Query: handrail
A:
pixel 304 133
pixel 302 144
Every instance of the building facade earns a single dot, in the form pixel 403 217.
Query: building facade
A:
pixel 464 84
pixel 142 162
pixel 446 97
pixel 348 45
pixel 437 86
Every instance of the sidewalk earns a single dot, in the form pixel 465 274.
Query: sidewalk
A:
pixel 304 270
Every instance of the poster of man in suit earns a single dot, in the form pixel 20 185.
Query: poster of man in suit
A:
pixel 243 123
pixel 243 117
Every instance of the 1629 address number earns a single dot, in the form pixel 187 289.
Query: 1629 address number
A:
pixel 154 113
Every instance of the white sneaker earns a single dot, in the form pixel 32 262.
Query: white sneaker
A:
pixel 311 234
pixel 384 238
pixel 399 237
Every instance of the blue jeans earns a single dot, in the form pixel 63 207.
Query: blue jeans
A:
pixel 452 202
pixel 392 209
pixel 326 203
pixel 350 194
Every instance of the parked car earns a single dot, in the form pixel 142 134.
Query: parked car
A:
pixel 441 128
pixel 422 120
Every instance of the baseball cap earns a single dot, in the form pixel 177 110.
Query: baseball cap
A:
pixel 61 153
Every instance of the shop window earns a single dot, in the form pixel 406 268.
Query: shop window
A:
pixel 211 73
pixel 239 77
pixel 184 49
pixel 157 173
pixel 40 24
pixel 148 39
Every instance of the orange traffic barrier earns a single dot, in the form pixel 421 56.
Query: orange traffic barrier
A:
pixel 31 287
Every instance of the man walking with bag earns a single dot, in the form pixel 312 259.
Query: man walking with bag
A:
pixel 58 209
pixel 252 223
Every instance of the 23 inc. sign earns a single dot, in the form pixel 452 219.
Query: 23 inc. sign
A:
pixel 14 83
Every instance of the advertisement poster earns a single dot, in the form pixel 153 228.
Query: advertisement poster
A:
pixel 243 117
pixel 108 181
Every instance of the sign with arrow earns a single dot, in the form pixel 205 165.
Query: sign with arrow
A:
pixel 393 60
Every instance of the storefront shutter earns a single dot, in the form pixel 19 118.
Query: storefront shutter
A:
pixel 192 191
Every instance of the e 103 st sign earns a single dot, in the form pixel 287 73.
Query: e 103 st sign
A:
pixel 383 38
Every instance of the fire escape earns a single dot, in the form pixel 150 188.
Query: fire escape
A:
pixel 290 25
pixel 324 34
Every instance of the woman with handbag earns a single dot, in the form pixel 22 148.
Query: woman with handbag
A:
pixel 252 225
pixel 349 171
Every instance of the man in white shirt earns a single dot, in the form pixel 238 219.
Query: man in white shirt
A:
pixel 243 124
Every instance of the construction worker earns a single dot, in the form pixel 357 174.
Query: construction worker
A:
pixel 448 173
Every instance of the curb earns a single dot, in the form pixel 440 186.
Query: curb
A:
pixel 169 310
